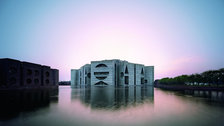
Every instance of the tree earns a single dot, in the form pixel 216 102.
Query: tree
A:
pixel 212 77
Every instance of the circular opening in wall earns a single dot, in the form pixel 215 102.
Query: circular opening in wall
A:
pixel 36 81
pixel 101 65
pixel 47 74
pixel 28 81
pixel 101 78
pixel 12 70
pixel 101 75
pixel 29 72
pixel 122 74
pixel 101 83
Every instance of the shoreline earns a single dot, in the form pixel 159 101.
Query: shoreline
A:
pixel 186 87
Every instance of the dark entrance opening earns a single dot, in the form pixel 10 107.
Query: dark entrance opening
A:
pixel 126 80
pixel 142 80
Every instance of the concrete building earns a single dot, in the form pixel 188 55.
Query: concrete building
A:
pixel 15 74
pixel 112 72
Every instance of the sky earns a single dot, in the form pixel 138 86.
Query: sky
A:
pixel 175 36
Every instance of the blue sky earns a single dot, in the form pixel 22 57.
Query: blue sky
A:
pixel 176 36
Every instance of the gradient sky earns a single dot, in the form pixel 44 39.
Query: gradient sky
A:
pixel 176 36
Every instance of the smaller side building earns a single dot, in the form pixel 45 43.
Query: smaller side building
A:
pixel 15 74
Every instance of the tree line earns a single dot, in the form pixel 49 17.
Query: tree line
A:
pixel 210 77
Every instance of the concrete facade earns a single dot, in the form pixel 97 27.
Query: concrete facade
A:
pixel 112 72
pixel 15 74
pixel 149 74
pixel 10 71
pixel 104 72
pixel 74 75
pixel 30 74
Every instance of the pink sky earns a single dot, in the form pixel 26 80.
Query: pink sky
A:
pixel 177 38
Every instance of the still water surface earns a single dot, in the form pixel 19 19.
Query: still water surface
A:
pixel 107 106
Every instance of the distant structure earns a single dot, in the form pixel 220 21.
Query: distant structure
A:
pixel 15 74
pixel 64 83
pixel 112 72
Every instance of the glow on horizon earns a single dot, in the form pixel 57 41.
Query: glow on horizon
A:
pixel 179 37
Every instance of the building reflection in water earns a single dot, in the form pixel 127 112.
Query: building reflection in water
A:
pixel 16 101
pixel 110 97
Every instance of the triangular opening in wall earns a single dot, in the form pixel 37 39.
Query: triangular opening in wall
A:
pixel 126 70
pixel 142 72
pixel 101 83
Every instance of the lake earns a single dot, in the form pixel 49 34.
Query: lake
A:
pixel 109 106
